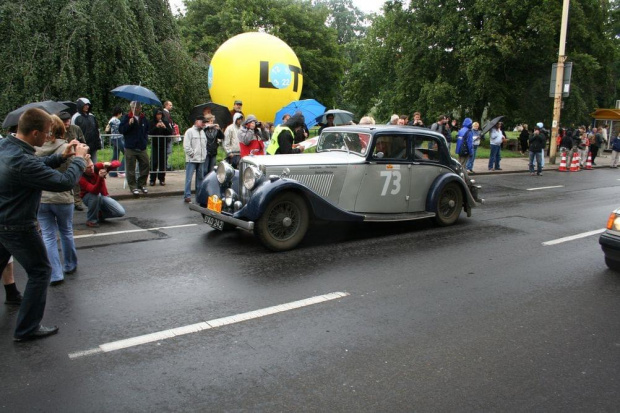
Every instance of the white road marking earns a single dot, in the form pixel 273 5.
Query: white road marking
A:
pixel 103 234
pixel 545 187
pixel 573 237
pixel 206 325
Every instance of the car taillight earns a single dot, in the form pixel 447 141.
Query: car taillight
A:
pixel 613 222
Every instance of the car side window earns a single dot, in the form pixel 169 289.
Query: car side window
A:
pixel 425 148
pixel 392 147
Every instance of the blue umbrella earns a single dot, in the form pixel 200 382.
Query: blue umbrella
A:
pixel 310 108
pixel 138 93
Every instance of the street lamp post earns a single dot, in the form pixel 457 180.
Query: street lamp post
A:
pixel 559 83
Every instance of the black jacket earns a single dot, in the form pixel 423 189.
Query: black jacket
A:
pixel 285 139
pixel 537 141
pixel 89 125
pixel 214 137
pixel 22 178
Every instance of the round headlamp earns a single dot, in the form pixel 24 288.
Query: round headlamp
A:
pixel 230 196
pixel 251 177
pixel 225 173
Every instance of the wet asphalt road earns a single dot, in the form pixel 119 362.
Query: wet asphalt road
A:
pixel 475 317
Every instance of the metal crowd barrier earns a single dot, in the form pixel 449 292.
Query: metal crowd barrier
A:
pixel 174 159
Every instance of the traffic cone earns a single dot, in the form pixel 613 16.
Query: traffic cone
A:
pixel 589 162
pixel 562 167
pixel 574 165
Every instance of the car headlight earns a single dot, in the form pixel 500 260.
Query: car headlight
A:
pixel 225 173
pixel 613 222
pixel 230 196
pixel 251 177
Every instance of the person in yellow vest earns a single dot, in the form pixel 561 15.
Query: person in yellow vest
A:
pixel 284 135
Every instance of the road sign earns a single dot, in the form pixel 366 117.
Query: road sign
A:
pixel 568 69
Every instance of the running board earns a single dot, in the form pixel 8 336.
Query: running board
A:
pixel 397 217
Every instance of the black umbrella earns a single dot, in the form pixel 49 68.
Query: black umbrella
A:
pixel 221 113
pixel 49 106
pixel 71 106
pixel 490 124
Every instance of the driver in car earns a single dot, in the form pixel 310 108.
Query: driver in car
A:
pixel 383 147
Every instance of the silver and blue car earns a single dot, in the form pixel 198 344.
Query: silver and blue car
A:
pixel 358 174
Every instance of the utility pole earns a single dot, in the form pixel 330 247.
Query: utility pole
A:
pixel 559 83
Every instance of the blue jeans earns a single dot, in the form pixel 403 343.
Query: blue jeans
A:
pixel 538 157
pixel 58 218
pixel 209 164
pixel 472 158
pixel 118 148
pixel 192 168
pixel 495 157
pixel 27 247
pixel 102 207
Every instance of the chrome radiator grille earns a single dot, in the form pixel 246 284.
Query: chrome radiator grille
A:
pixel 319 183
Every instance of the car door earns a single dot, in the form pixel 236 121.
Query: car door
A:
pixel 427 159
pixel 386 182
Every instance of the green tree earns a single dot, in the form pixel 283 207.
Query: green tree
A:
pixel 468 57
pixel 64 50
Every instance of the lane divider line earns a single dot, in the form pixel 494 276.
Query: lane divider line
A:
pixel 206 325
pixel 103 234
pixel 545 187
pixel 573 237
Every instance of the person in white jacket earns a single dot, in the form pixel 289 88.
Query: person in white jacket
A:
pixel 195 147
pixel 231 140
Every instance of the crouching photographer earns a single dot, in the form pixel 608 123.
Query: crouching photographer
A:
pixel 95 194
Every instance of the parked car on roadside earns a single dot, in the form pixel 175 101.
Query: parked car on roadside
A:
pixel 610 241
pixel 358 174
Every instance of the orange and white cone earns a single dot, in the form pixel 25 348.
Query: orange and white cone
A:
pixel 574 165
pixel 562 167
pixel 589 162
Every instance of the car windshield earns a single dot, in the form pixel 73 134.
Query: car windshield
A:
pixel 352 142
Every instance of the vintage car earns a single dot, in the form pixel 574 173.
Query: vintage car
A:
pixel 610 241
pixel 358 174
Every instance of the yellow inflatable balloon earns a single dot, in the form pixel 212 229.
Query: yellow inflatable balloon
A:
pixel 260 70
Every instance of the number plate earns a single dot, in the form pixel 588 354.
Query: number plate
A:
pixel 214 222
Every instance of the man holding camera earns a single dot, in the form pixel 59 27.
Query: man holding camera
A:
pixel 95 194
pixel 22 178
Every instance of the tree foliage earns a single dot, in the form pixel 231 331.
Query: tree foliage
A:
pixel 471 57
pixel 209 23
pixel 62 50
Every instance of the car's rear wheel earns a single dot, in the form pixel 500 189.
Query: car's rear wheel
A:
pixel 284 223
pixel 612 265
pixel 449 204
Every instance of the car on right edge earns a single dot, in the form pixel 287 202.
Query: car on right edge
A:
pixel 610 241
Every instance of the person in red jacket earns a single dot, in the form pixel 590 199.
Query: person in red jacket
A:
pixel 95 194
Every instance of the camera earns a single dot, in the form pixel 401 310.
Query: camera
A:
pixel 259 124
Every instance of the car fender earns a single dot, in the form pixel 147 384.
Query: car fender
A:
pixel 438 184
pixel 211 186
pixel 320 208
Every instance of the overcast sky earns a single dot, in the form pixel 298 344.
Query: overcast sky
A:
pixel 367 6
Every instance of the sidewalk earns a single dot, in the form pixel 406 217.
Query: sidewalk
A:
pixel 175 180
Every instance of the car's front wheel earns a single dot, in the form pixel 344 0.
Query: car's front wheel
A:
pixel 612 265
pixel 449 204
pixel 284 223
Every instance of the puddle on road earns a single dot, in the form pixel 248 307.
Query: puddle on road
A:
pixel 116 231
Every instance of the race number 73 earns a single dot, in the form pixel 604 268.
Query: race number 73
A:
pixel 392 179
